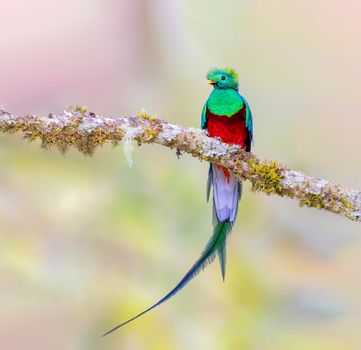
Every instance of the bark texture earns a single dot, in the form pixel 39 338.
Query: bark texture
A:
pixel 86 131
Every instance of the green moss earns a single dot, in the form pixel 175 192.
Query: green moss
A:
pixel 267 175
pixel 64 136
pixel 150 133
pixel 329 199
pixel 347 204
pixel 151 128
pixel 144 115
pixel 312 200
pixel 80 109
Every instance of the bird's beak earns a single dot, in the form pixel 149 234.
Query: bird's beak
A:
pixel 210 82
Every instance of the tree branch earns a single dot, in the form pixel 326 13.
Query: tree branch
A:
pixel 86 131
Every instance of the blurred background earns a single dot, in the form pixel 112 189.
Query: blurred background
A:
pixel 85 243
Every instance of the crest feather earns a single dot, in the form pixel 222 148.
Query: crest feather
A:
pixel 232 73
pixel 229 71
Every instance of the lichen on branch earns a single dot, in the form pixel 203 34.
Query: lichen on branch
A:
pixel 85 130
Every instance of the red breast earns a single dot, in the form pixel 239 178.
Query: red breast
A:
pixel 230 130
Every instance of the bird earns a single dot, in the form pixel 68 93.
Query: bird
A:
pixel 227 116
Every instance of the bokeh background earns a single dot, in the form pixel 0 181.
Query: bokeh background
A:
pixel 86 243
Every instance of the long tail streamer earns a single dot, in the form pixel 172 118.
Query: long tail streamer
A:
pixel 215 245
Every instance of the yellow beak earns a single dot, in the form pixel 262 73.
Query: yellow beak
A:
pixel 210 82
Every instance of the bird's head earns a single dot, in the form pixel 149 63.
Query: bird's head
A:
pixel 225 78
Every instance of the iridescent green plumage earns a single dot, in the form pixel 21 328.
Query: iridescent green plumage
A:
pixel 225 99
pixel 224 104
pixel 214 245
pixel 226 115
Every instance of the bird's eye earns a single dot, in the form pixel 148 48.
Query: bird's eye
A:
pixel 223 77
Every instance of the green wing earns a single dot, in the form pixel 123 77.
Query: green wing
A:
pixel 249 120
pixel 204 116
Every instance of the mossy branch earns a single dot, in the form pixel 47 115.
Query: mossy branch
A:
pixel 86 131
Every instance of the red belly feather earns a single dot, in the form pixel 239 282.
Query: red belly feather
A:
pixel 231 130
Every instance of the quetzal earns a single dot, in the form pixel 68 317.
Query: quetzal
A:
pixel 226 115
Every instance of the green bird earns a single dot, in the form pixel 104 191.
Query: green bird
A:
pixel 225 115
